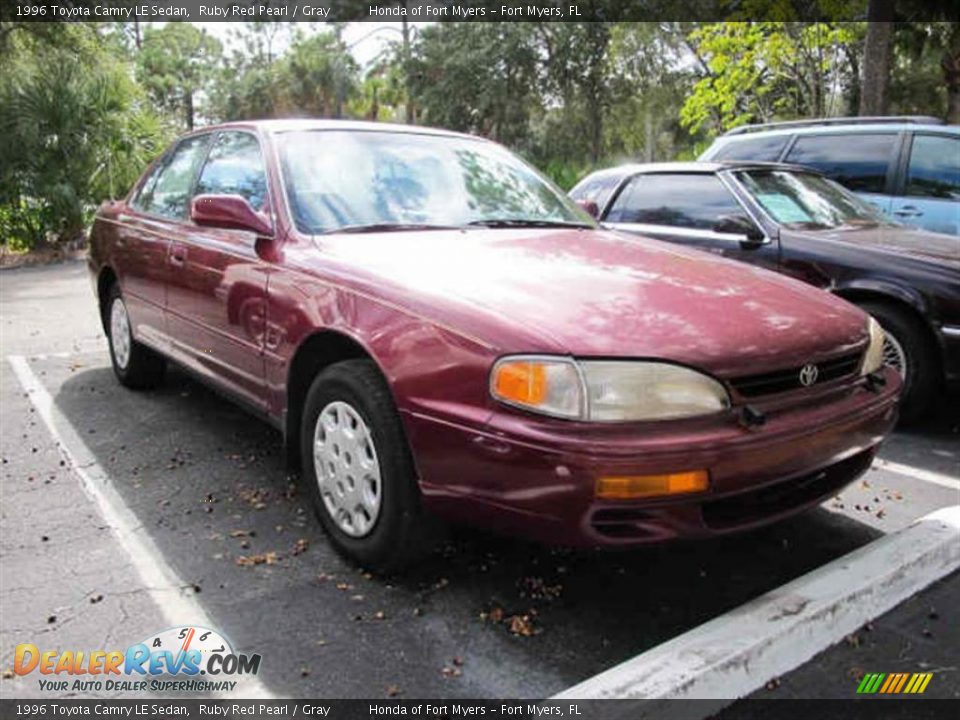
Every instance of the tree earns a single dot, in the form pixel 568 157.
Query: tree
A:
pixel 453 88
pixel 73 131
pixel 176 62
pixel 576 71
pixel 319 76
pixel 877 58
pixel 763 71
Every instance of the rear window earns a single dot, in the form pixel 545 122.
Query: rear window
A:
pixel 759 149
pixel 859 161
pixel 934 170
pixel 686 201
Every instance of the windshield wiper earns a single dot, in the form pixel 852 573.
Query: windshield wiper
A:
pixel 525 222
pixel 387 227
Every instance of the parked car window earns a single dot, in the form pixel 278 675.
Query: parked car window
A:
pixel 598 189
pixel 337 179
pixel 235 167
pixel 934 170
pixel 760 149
pixel 804 200
pixel 170 191
pixel 687 201
pixel 859 161
pixel 146 187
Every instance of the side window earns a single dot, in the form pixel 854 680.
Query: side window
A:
pixel 760 149
pixel 235 167
pixel 147 187
pixel 934 170
pixel 597 189
pixel 685 201
pixel 169 193
pixel 856 160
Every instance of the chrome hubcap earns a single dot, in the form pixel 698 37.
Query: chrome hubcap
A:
pixel 120 333
pixel 894 355
pixel 347 469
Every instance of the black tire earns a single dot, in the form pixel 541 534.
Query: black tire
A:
pixel 401 533
pixel 144 368
pixel 922 379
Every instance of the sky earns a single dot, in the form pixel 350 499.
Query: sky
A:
pixel 364 39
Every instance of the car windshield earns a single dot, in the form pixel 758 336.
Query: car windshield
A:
pixel 356 181
pixel 807 201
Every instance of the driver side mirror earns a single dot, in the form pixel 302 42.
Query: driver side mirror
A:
pixel 229 211
pixel 739 225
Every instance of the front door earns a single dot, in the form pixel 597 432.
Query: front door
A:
pixel 216 299
pixel 684 208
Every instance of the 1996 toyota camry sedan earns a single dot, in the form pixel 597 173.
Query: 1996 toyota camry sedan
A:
pixel 440 333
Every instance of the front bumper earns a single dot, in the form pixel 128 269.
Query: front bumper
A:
pixel 535 477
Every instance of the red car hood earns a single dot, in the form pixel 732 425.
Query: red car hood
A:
pixel 594 293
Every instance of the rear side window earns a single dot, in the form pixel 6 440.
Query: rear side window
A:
pixel 235 167
pixel 686 201
pixel 598 189
pixel 934 170
pixel 859 161
pixel 168 192
pixel 760 149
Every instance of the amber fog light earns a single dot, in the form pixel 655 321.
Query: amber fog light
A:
pixel 629 487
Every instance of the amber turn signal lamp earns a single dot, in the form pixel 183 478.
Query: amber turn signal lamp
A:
pixel 630 487
pixel 521 381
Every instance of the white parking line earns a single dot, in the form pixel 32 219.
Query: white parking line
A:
pixel 739 652
pixel 928 476
pixel 173 595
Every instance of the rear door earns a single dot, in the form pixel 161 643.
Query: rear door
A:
pixel 684 208
pixel 145 234
pixel 863 162
pixel 216 302
pixel 930 194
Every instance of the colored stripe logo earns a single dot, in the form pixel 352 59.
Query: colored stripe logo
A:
pixel 894 683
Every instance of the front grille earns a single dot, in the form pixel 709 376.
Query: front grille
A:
pixel 750 386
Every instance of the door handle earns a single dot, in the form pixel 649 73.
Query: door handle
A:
pixel 908 211
pixel 178 256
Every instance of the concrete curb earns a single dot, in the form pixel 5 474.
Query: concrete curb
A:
pixel 740 651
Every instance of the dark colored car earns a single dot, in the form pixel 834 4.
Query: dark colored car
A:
pixel 908 167
pixel 438 331
pixel 801 224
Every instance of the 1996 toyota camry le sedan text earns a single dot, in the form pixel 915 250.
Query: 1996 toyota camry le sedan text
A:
pixel 439 332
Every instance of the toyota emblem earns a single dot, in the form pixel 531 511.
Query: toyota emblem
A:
pixel 808 375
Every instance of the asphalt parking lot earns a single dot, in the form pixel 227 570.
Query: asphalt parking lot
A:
pixel 484 617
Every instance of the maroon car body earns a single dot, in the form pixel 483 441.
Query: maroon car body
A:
pixel 258 316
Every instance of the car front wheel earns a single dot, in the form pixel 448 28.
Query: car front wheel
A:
pixel 135 365
pixel 357 469
pixel 908 351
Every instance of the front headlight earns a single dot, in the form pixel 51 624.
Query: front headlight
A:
pixel 873 359
pixel 605 390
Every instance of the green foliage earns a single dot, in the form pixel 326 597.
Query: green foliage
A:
pixel 315 77
pixel 71 134
pixel 176 62
pixel 763 71
pixel 477 77
pixel 84 107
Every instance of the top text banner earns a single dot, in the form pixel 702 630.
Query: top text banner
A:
pixel 452 10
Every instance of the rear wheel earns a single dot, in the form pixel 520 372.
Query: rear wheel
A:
pixel 135 365
pixel 909 351
pixel 357 469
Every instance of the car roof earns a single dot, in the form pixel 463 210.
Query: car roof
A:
pixel 696 167
pixel 834 128
pixel 283 125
